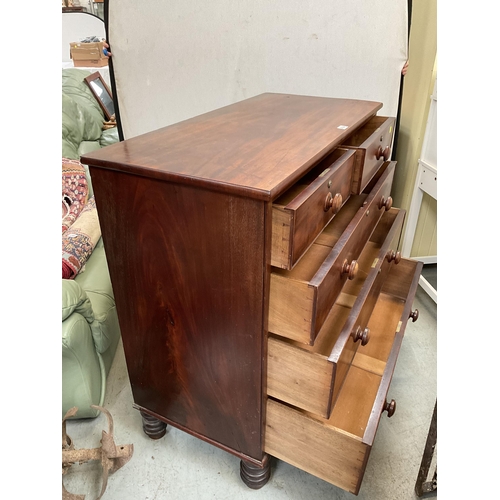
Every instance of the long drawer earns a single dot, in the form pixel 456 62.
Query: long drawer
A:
pixel 301 213
pixel 310 377
pixel 337 449
pixel 372 144
pixel 301 299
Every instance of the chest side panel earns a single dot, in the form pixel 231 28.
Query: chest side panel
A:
pixel 188 272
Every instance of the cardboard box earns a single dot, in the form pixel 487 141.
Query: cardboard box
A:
pixel 88 54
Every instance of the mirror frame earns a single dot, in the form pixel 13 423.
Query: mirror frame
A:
pixel 97 76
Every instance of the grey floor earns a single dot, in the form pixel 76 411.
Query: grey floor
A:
pixel 179 466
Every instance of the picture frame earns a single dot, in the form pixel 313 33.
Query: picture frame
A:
pixel 102 93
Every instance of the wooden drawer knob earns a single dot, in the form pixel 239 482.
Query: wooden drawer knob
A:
pixel 363 335
pixel 383 153
pixel 333 202
pixel 393 256
pixel 390 408
pixel 413 315
pixel 350 269
pixel 385 203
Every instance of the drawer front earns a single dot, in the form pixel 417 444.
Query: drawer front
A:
pixel 310 377
pixel 356 334
pixel 331 277
pixel 302 213
pixel 372 144
pixel 337 449
pixel 298 307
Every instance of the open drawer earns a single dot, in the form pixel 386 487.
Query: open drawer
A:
pixel 300 299
pixel 310 377
pixel 301 213
pixel 337 449
pixel 372 144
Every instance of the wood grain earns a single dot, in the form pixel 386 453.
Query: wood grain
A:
pixel 305 207
pixel 301 299
pixel 188 271
pixel 377 132
pixel 310 377
pixel 299 377
pixel 329 279
pixel 258 147
pixel 303 442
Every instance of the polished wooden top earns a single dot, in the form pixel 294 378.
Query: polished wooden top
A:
pixel 257 147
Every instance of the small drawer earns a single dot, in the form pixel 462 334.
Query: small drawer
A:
pixel 310 377
pixel 337 449
pixel 301 299
pixel 303 211
pixel 372 144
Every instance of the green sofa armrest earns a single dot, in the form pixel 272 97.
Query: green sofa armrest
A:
pixel 109 136
pixel 74 86
pixel 78 125
pixel 74 298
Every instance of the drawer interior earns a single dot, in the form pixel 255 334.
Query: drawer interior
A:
pixel 330 331
pixel 363 134
pixel 337 449
pixel 354 408
pixel 301 298
pixel 308 265
pixel 304 182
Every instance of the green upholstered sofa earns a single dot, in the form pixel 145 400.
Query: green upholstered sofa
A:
pixel 90 329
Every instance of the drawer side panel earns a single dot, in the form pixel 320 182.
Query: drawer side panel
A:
pixel 333 456
pixel 298 376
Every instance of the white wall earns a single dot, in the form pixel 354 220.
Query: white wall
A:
pixel 177 59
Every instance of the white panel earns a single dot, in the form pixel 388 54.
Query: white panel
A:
pixel 76 26
pixel 177 59
pixel 427 179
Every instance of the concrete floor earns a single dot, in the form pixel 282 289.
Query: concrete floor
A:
pixel 179 466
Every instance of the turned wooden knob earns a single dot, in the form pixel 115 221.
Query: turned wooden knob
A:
pixel 393 256
pixel 413 315
pixel 383 153
pixel 333 202
pixel 385 203
pixel 390 408
pixel 350 269
pixel 363 335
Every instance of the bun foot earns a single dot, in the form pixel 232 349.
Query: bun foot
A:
pixel 254 476
pixel 152 427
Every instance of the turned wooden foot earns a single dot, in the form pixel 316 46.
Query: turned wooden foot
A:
pixel 254 476
pixel 153 427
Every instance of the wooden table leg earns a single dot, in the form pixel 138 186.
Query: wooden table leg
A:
pixel 153 427
pixel 253 476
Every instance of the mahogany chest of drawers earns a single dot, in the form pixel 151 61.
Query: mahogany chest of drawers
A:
pixel 261 297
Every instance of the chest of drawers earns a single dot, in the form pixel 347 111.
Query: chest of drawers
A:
pixel 261 297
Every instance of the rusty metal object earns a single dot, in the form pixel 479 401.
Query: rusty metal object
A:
pixel 427 474
pixel 111 456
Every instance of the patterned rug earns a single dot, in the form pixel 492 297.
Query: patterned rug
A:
pixel 80 223
pixel 79 240
pixel 74 191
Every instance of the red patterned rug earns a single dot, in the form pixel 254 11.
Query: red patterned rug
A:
pixel 74 191
pixel 80 223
